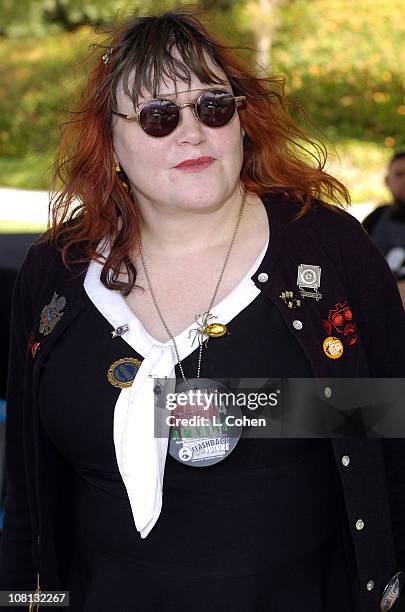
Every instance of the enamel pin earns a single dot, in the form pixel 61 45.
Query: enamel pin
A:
pixel 333 347
pixel 122 372
pixel 290 299
pixel 116 333
pixel 309 281
pixel 33 346
pixel 341 322
pixel 51 314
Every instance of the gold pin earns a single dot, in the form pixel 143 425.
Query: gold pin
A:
pixel 215 330
pixel 290 300
pixel 122 372
pixel 206 330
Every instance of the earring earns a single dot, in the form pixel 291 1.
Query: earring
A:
pixel 121 175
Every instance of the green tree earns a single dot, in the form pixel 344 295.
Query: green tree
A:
pixel 41 17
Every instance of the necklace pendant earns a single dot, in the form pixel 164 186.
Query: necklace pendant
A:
pixel 215 330
pixel 205 423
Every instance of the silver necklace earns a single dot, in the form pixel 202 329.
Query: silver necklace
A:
pixel 202 330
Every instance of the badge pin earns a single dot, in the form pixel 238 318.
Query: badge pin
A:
pixel 51 314
pixel 332 347
pixel 290 299
pixel 200 435
pixel 119 331
pixel 309 281
pixel 122 372
pixel 341 322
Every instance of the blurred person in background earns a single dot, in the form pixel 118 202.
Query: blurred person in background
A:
pixel 386 224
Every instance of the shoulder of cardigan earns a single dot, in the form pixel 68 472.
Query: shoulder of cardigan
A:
pixel 329 225
pixel 44 262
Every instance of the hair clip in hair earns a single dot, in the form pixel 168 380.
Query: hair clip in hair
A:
pixel 107 55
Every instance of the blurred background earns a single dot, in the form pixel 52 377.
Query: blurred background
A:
pixel 342 60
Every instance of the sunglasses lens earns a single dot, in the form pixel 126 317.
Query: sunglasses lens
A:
pixel 159 117
pixel 216 108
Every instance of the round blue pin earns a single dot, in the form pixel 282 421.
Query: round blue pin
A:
pixel 122 372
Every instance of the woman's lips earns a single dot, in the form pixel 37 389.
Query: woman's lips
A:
pixel 195 167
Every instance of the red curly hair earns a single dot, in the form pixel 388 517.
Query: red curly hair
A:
pixel 84 167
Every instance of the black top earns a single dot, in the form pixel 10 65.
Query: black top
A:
pixel 261 528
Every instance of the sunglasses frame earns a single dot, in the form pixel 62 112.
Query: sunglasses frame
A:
pixel 239 100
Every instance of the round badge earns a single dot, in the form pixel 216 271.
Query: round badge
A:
pixel 332 347
pixel 205 425
pixel 122 372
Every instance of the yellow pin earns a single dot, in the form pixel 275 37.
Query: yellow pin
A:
pixel 332 347
pixel 215 330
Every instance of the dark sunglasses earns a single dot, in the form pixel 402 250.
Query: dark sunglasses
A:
pixel 214 108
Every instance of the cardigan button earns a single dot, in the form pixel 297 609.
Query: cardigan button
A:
pixel 392 591
pixel 345 460
pixel 327 391
pixel 263 277
pixel 297 324
pixel 359 524
pixel 370 585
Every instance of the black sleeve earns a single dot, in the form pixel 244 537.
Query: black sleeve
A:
pixel 382 328
pixel 17 571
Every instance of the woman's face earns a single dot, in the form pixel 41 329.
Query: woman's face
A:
pixel 149 162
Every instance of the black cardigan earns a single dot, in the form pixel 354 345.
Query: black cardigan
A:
pixel 37 534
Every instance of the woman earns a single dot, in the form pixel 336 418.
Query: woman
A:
pixel 187 216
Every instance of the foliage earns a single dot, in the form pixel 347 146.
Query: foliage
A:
pixel 43 17
pixel 342 62
pixel 37 82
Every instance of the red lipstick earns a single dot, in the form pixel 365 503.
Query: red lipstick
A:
pixel 196 164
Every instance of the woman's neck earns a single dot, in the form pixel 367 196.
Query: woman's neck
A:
pixel 178 233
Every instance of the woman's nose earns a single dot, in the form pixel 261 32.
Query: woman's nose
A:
pixel 189 126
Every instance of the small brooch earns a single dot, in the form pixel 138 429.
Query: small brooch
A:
pixel 122 372
pixel 51 314
pixel 309 281
pixel 119 331
pixel 33 346
pixel 34 349
pixel 290 299
pixel 341 322
pixel 107 55
pixel 206 330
